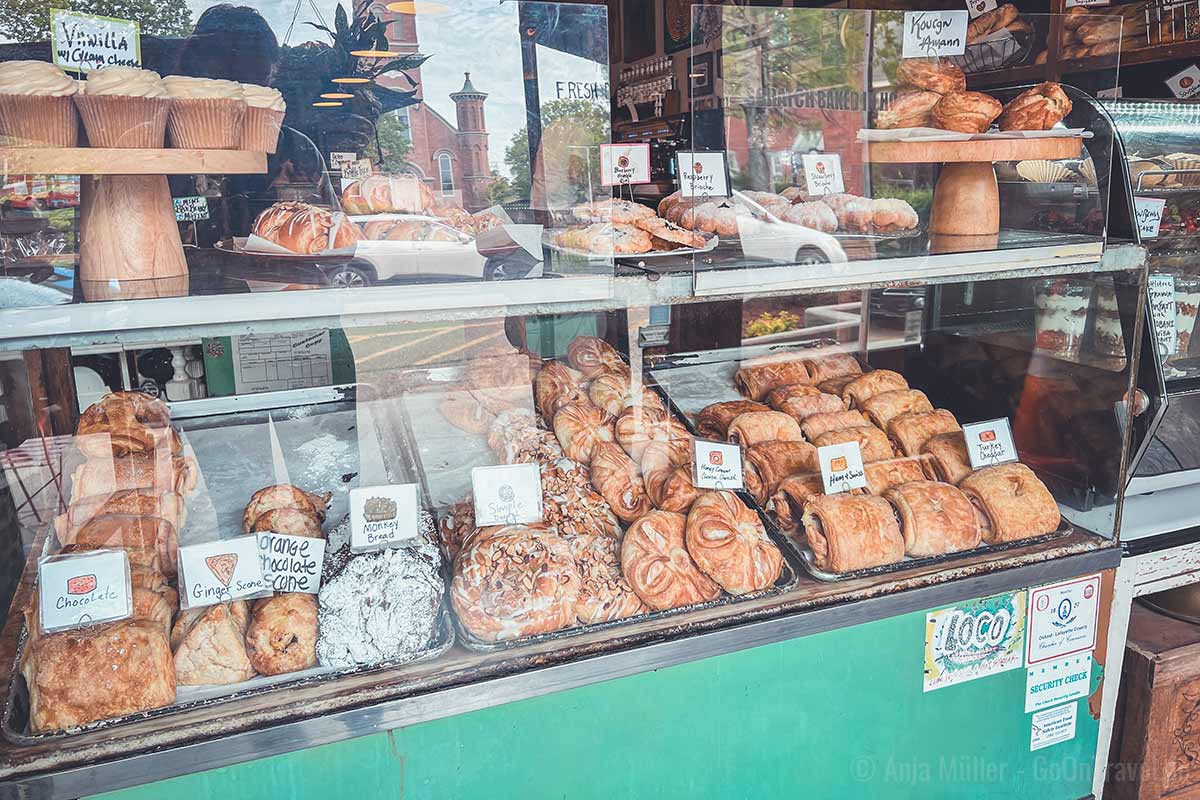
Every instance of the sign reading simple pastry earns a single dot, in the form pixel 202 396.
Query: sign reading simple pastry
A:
pixel 978 7
pixel 1149 211
pixel 1185 83
pixel 384 516
pixel 190 209
pixel 83 589
pixel 1052 726
pixel 703 174
pixel 291 563
pixel 1062 619
pixel 1161 291
pixel 989 443
pixel 974 639
pixel 934 33
pixel 716 465
pixel 84 42
pixel 1057 681
pixel 823 173
pixel 508 494
pixel 624 163
pixel 216 572
pixel 842 467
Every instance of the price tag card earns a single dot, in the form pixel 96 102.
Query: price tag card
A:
pixel 934 33
pixel 624 163
pixel 357 170
pixel 384 516
pixel 509 494
pixel 977 7
pixel 84 42
pixel 291 563
pixel 703 174
pixel 191 209
pixel 989 443
pixel 337 160
pixel 823 172
pixel 1161 289
pixel 1149 211
pixel 842 467
pixel 716 465
pixel 85 589
pixel 216 572
pixel 1185 83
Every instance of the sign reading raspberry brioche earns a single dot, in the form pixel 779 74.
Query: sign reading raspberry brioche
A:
pixel 217 572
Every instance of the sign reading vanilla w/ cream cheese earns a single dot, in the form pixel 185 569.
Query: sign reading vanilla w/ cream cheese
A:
pixel 934 33
pixel 83 589
pixel 217 572
pixel 842 467
pixel 84 42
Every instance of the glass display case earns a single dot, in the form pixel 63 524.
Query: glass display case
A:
pixel 403 396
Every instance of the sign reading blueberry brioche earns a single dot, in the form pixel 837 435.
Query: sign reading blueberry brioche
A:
pixel 508 494
pixel 384 516
pixel 716 465
pixel 291 563
pixel 989 443
pixel 217 572
pixel 842 467
pixel 83 589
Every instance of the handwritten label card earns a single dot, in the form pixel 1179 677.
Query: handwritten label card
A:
pixel 989 443
pixel 291 563
pixel 86 589
pixel 935 33
pixel 384 516
pixel 703 174
pixel 842 467
pixel 978 7
pixel 190 209
pixel 509 494
pixel 1161 289
pixel 84 42
pixel 1185 83
pixel 1149 211
pixel 622 164
pixel 357 170
pixel 338 160
pixel 216 572
pixel 823 172
pixel 716 465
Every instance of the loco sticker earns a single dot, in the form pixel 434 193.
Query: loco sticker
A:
pixel 975 639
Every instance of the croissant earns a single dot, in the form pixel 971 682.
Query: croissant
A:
pixel 619 481
pixel 834 365
pixel 935 518
pixel 776 398
pixel 851 532
pixel 637 427
pixel 284 495
pixel 667 474
pixel 1011 503
pixel 557 385
pixel 911 431
pixel 789 499
pixel 759 376
pixel 772 462
pixel 713 421
pixel 873 444
pixel 886 406
pixel 593 356
pixel 580 428
pixel 948 454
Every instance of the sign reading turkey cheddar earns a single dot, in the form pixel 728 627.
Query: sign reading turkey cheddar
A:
pixel 217 572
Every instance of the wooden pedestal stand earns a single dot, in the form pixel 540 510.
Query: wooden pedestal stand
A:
pixel 129 242
pixel 966 201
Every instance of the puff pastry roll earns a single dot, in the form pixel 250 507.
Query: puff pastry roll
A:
pixel 836 385
pixel 801 407
pixel 729 544
pixel 713 421
pixel 763 426
pixel 849 532
pixel 884 475
pixel 789 499
pixel 134 533
pixel 758 376
pixel 816 424
pixel 667 474
pixel 872 442
pixel 882 408
pixel 777 397
pixel 935 518
pixel 911 431
pixel 836 365
pixel 771 462
pixel 948 454
pixel 1011 503
pixel 864 387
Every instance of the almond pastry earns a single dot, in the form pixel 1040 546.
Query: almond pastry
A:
pixel 604 594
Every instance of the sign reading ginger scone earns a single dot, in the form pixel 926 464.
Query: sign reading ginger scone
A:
pixel 217 572
pixel 935 33
pixel 384 516
pixel 989 443
pixel 716 465
pixel 84 589
pixel 508 494
pixel 291 563
pixel 842 467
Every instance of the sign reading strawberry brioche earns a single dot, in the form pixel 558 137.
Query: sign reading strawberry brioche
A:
pixel 217 572
pixel 83 589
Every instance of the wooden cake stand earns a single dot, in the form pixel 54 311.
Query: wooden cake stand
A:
pixel 129 243
pixel 966 200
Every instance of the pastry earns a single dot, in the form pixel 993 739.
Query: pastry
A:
pixel 911 431
pixel 759 376
pixel 618 479
pixel 854 214
pixel 1036 109
pixel 776 398
pixel 935 518
pixel 619 210
pixel 835 385
pixel 604 594
pixel 613 392
pixel 282 635
pixel 886 474
pixel 378 607
pixel 991 21
pixel 122 423
pixel 882 408
pixel 88 674
pixel 931 75
pixel 637 427
pixel 873 444
pixel 655 562
pixel 288 521
pixel 966 112
pixel 501 381
pixel 836 365
pixel 667 474
pixel 514 581
pixel 850 532
pixel 580 428
pixel 284 496
pixel 556 385
pixel 265 110
pixel 209 644
pixel 815 215
pixel 124 107
pixel 570 505
pixel 789 499
pixel 306 229
pixel 153 599
pixel 155 470
pixel 514 423
pixel 801 407
pixel 37 108
pixel 463 411
pixel 763 426
pixel 893 215
pixel 772 462
pixel 713 421
pixel 729 544
pixel 816 424
pixel 908 110
pixel 455 525
pixel 387 194
pixel 138 502
pixel 529 446
pixel 948 455
pixel 128 531
pixel 667 231
pixel 206 114
pixel 593 357
pixel 1011 503
pixel 863 388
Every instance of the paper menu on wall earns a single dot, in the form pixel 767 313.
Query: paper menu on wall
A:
pixel 273 362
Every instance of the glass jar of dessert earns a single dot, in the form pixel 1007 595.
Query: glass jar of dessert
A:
pixel 1061 315
pixel 1187 302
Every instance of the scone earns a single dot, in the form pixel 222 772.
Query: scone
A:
pixel 966 112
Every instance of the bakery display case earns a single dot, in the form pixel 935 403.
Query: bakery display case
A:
pixel 413 434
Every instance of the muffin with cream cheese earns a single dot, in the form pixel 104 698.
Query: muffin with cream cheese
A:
pixel 206 114
pixel 36 106
pixel 265 110
pixel 124 107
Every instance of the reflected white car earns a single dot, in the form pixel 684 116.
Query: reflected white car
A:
pixel 763 235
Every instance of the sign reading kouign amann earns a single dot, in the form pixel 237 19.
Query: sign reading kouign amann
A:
pixel 935 33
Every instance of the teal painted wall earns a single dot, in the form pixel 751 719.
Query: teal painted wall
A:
pixel 836 715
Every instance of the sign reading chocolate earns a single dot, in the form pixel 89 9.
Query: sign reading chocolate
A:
pixel 83 589
pixel 384 516
pixel 622 164
pixel 1161 296
pixel 190 209
pixel 823 173
pixel 716 465
pixel 935 33
pixel 703 174
pixel 508 494
pixel 989 443
pixel 842 467
pixel 84 42
pixel 217 572
pixel 291 563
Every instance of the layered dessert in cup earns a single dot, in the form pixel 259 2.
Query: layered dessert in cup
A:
pixel 124 107
pixel 1061 315
pixel 1108 338
pixel 205 113
pixel 1187 302
pixel 265 110
pixel 37 108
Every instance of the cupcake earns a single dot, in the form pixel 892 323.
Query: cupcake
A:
pixel 205 113
pixel 264 117
pixel 36 109
pixel 124 107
